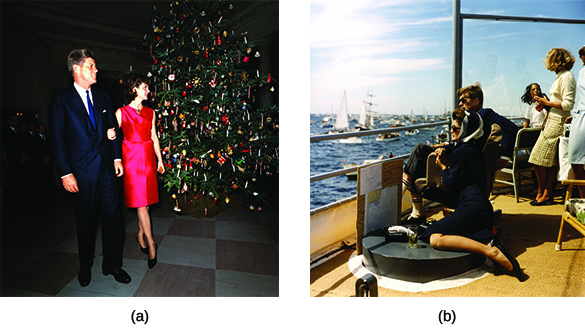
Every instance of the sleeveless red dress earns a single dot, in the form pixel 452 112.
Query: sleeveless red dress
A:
pixel 139 159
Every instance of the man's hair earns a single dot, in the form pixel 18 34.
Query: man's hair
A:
pixel 77 57
pixel 473 91
pixel 582 52
pixel 558 59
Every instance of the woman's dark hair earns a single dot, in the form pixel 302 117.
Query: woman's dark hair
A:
pixel 459 114
pixel 77 57
pixel 134 81
pixel 527 96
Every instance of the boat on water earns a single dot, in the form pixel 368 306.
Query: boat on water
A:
pixel 529 233
pixel 441 137
pixel 412 132
pixel 387 137
pixel 366 120
pixel 342 123
pixel 351 140
pixel 327 122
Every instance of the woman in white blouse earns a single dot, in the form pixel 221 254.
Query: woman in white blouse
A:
pixel 534 112
pixel 562 98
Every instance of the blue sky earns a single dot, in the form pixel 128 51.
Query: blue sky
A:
pixel 401 51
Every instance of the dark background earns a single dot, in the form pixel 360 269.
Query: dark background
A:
pixel 37 36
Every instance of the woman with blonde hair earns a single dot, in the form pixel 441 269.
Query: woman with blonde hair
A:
pixel 562 98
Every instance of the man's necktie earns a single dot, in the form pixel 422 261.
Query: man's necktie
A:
pixel 90 108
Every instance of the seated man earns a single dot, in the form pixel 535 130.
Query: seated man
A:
pixel 471 98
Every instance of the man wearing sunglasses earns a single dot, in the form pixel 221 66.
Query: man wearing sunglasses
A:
pixel 471 98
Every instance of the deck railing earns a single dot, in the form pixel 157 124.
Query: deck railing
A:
pixel 331 174
pixel 335 173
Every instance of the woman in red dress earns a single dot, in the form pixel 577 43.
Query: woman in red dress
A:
pixel 141 158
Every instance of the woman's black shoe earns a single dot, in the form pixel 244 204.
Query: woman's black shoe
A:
pixel 152 262
pixel 144 250
pixel 516 270
pixel 543 203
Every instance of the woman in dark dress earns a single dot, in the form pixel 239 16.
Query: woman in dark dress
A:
pixel 469 227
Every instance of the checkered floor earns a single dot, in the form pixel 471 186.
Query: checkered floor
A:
pixel 234 253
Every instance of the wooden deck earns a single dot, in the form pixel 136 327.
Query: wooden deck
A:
pixel 529 232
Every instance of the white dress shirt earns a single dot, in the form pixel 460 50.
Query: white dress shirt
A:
pixel 83 95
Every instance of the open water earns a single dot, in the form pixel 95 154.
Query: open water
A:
pixel 329 155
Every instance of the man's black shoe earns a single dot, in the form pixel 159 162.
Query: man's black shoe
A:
pixel 84 277
pixel 119 274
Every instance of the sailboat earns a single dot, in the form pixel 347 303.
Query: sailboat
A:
pixel 366 121
pixel 327 121
pixel 342 123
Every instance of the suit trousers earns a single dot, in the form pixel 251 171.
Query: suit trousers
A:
pixel 91 201
pixel 416 165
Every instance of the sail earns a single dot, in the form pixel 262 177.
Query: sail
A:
pixel 342 122
pixel 363 115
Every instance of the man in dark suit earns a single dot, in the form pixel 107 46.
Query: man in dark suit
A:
pixel 88 164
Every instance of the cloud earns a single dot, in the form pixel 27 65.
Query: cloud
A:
pixel 430 21
pixel 329 80
pixel 358 23
pixel 346 23
pixel 373 44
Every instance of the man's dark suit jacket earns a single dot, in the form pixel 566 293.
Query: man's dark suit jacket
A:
pixel 79 148
pixel 508 128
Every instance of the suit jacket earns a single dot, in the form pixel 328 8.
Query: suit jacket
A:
pixel 509 130
pixel 79 148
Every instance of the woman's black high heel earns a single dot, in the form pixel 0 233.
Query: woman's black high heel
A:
pixel 152 262
pixel 144 250
pixel 516 270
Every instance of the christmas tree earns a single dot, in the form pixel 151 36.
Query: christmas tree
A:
pixel 215 140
